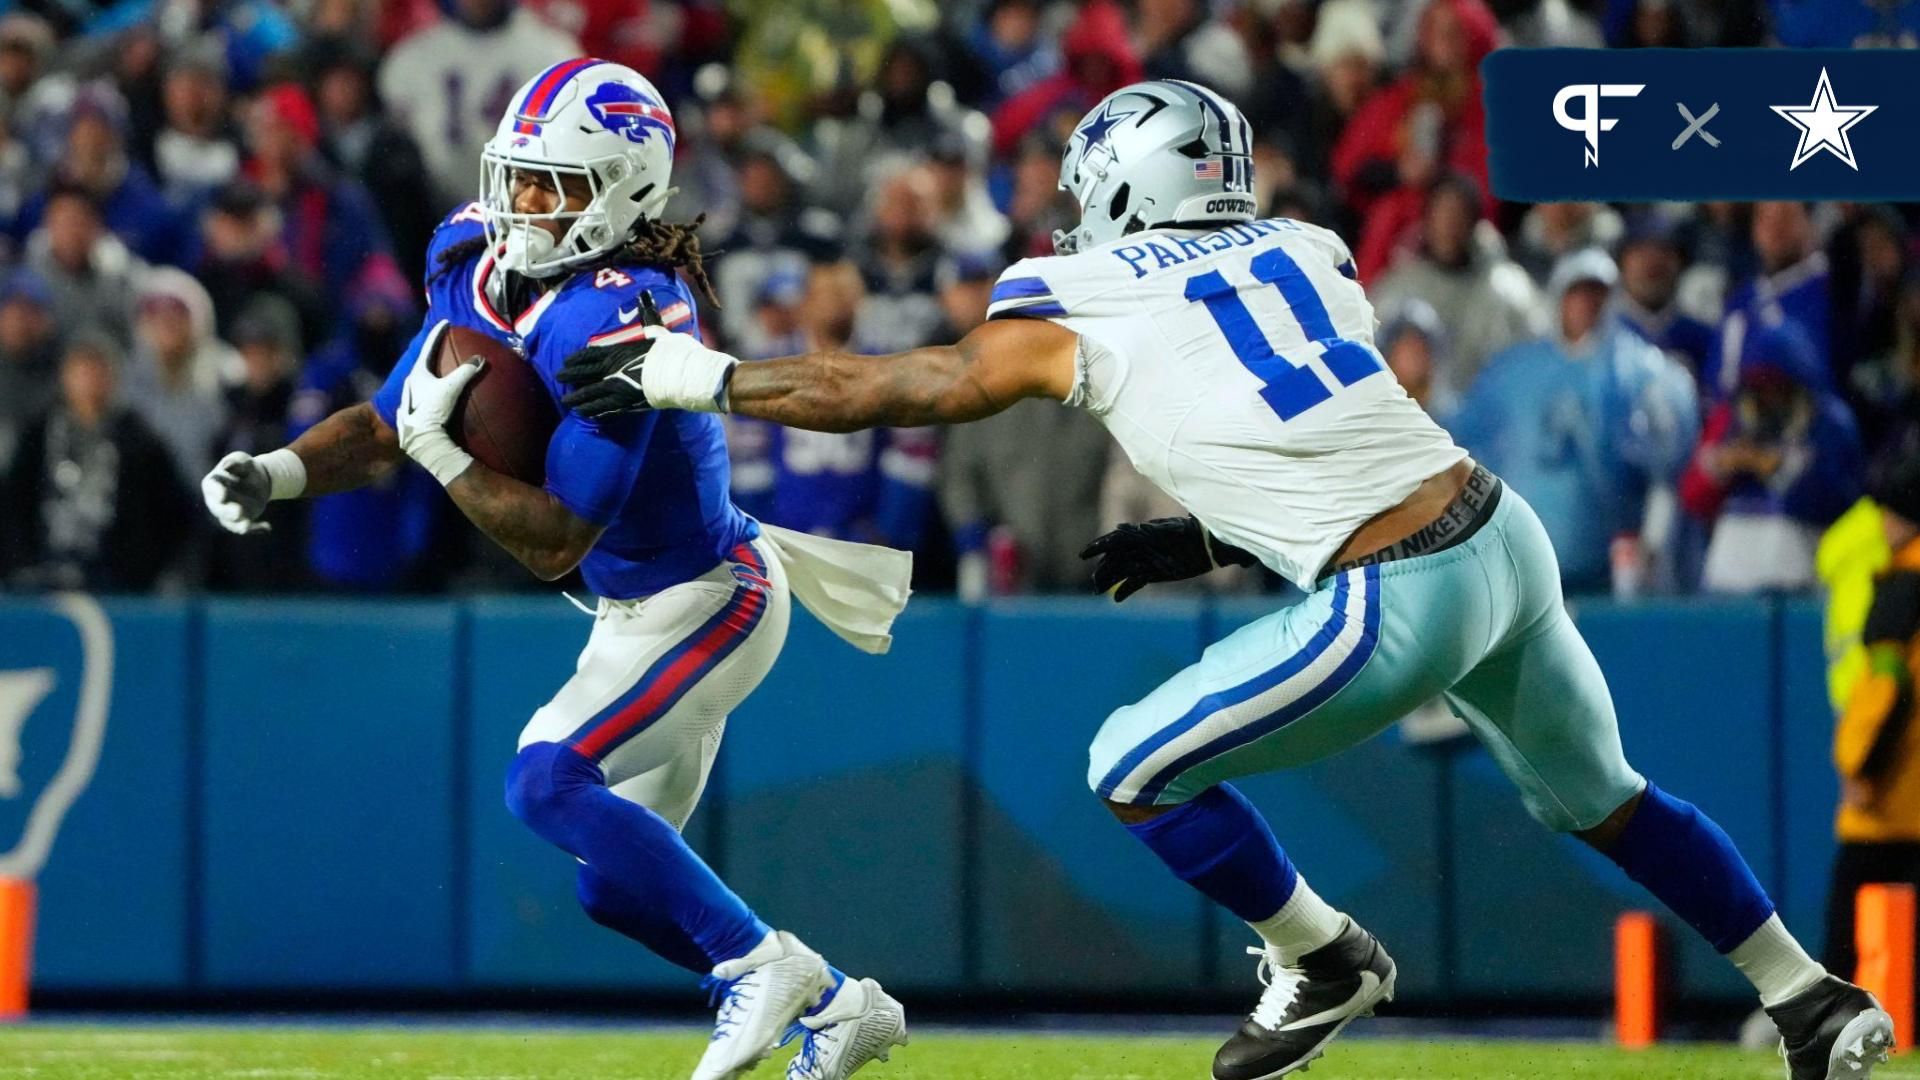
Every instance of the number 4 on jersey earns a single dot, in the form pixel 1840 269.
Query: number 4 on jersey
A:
pixel 1288 390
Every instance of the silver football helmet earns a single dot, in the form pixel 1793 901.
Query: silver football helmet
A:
pixel 1156 153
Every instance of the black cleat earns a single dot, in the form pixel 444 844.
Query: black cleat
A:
pixel 1832 1031
pixel 1306 1005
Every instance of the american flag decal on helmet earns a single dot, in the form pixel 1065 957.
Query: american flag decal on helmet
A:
pixel 1210 169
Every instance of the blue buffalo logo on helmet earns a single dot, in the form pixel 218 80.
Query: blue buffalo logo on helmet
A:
pixel 630 114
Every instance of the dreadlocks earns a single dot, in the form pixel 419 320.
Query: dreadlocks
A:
pixel 649 243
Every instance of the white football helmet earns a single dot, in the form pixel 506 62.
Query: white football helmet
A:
pixel 586 118
pixel 1156 153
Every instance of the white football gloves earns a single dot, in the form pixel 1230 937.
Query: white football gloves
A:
pixel 238 489
pixel 427 402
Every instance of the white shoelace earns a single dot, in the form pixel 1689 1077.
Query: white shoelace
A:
pixel 1282 989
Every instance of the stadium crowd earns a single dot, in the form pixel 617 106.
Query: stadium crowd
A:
pixel 214 217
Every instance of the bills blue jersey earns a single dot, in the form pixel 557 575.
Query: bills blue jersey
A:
pixel 657 482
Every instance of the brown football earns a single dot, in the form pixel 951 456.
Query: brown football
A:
pixel 506 418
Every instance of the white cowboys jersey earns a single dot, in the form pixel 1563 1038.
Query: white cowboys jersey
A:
pixel 1237 370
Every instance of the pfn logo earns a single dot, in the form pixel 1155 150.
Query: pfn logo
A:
pixel 1589 122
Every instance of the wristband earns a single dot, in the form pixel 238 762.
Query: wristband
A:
pixel 286 473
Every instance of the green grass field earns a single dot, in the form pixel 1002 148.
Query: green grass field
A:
pixel 61 1052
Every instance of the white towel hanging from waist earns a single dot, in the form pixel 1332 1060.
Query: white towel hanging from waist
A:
pixel 856 589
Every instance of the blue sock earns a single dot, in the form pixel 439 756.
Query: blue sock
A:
pixel 562 796
pixel 1678 854
pixel 607 905
pixel 1219 844
pixel 826 999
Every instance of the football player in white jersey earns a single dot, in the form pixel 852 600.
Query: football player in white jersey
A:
pixel 1233 359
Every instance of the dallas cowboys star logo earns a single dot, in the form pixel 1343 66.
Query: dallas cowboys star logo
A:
pixel 1097 128
pixel 1823 125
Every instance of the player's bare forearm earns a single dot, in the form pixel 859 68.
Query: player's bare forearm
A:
pixel 350 449
pixel 837 391
pixel 532 525
pixel 989 370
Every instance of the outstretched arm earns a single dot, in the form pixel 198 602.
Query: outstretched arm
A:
pixel 991 368
pixel 349 449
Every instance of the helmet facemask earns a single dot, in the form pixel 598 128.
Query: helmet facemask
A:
pixel 523 242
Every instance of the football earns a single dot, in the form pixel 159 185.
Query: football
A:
pixel 506 418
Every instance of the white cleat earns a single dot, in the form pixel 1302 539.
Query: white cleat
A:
pixel 861 1024
pixel 758 996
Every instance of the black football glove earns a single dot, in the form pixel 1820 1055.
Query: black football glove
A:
pixel 606 378
pixel 1135 556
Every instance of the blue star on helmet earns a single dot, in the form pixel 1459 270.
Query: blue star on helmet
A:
pixel 1096 129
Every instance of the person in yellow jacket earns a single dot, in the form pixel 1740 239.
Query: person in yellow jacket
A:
pixel 1876 745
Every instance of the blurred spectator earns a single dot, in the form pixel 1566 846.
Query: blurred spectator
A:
pixel 1037 207
pixel 1461 267
pixel 372 151
pixel 1428 121
pixel 1777 463
pixel 1868 258
pixel 89 271
pixel 29 356
pixel 903 114
pixel 1791 287
pixel 898 257
pixel 92 500
pixel 241 256
pixel 449 84
pixel 174 380
pixel 874 486
pixel 1876 744
pixel 800 55
pixel 964 215
pixel 779 328
pixel 375 538
pixel 197 150
pixel 1098 58
pixel 94 160
pixel 1647 24
pixel 258 420
pixel 1009 44
pixel 1587 423
pixel 1414 342
pixel 1016 527
pixel 254 32
pixel 775 230
pixel 329 227
pixel 712 126
pixel 1181 39
pixel 136 71
pixel 1551 24
pixel 1347 52
pixel 1648 300
pixel 26 46
pixel 1885 386
pixel 1552 231
pixel 1845 24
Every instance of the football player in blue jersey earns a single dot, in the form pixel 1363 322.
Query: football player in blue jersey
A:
pixel 565 249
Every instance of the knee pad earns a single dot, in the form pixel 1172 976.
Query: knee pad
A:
pixel 544 777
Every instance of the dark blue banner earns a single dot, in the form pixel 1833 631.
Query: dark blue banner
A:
pixel 1627 125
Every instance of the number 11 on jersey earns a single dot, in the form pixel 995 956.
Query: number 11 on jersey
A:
pixel 1288 390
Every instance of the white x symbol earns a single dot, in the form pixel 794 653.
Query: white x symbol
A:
pixel 1696 127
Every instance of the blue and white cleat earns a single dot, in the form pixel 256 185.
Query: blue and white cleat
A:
pixel 757 997
pixel 861 1024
